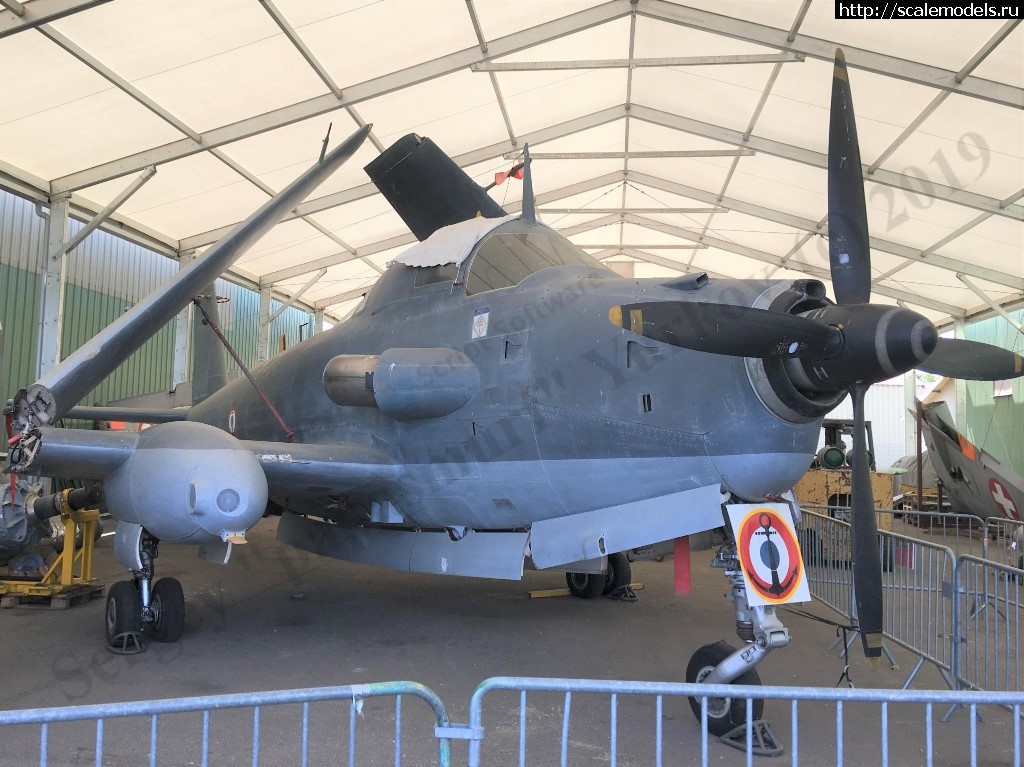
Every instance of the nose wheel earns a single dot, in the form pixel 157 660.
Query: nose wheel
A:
pixel 720 664
pixel 724 714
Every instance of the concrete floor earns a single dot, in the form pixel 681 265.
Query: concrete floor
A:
pixel 277 618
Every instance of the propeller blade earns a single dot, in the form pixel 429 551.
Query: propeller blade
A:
pixel 848 250
pixel 867 566
pixel 972 361
pixel 738 331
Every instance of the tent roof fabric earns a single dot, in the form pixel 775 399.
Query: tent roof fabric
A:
pixel 682 137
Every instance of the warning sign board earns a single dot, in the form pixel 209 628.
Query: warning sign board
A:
pixel 769 553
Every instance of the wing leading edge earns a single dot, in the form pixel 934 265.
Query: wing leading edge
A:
pixel 290 469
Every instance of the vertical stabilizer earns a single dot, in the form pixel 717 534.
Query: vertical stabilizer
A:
pixel 529 206
pixel 427 188
pixel 209 369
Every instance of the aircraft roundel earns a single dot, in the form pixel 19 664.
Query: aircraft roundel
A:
pixel 770 555
pixel 1003 500
pixel 232 421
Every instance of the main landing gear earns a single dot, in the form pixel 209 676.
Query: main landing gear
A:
pixel 592 585
pixel 720 663
pixel 140 606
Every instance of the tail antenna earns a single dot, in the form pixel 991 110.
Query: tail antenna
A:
pixel 529 209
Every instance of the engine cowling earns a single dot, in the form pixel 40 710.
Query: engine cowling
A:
pixel 188 483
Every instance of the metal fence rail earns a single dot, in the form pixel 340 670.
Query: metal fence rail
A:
pixel 826 546
pixel 916 581
pixel 557 721
pixel 1007 541
pixel 572 748
pixel 917 612
pixel 964 534
pixel 989 623
pixel 147 718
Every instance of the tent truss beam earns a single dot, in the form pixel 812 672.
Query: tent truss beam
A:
pixel 104 214
pixel 314 63
pixel 990 303
pixel 816 48
pixel 819 160
pixel 32 15
pixel 817 227
pixel 769 258
pixel 328 102
pixel 341 298
pixel 665 61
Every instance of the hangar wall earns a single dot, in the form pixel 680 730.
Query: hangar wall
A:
pixel 105 276
pixel 994 423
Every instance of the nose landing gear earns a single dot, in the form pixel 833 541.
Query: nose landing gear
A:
pixel 140 606
pixel 720 663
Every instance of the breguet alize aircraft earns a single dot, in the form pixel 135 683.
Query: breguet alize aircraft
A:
pixel 500 396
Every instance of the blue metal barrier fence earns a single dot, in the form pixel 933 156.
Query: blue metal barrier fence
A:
pixel 839 697
pixel 255 701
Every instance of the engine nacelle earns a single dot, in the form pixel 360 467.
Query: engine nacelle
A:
pixel 407 384
pixel 188 483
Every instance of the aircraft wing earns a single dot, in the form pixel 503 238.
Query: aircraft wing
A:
pixel 297 469
pixel 290 469
pixel 129 414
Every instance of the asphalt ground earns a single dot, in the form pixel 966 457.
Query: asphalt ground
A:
pixel 277 618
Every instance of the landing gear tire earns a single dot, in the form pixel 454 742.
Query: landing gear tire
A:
pixel 619 574
pixel 724 714
pixel 124 611
pixel 585 585
pixel 168 607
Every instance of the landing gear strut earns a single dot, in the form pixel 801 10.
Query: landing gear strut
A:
pixel 141 605
pixel 719 663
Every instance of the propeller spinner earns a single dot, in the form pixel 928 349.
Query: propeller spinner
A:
pixel 847 346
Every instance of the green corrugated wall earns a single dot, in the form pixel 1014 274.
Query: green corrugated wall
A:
pixel 149 369
pixel 996 424
pixel 106 275
pixel 19 317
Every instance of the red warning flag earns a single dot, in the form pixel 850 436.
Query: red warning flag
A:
pixel 516 171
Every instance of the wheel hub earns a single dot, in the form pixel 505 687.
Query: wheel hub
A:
pixel 717 707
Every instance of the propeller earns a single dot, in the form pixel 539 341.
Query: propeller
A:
pixel 739 331
pixel 850 267
pixel 846 346
pixel 848 252
pixel 972 361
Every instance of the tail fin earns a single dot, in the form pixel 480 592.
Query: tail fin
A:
pixel 209 369
pixel 426 188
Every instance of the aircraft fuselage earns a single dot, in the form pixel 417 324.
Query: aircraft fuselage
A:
pixel 571 414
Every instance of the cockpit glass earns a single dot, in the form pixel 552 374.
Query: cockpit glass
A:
pixel 507 258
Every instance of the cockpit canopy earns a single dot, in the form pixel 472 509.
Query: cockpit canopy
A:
pixel 485 254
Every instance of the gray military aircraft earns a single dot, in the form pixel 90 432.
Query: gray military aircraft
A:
pixel 500 396
pixel 975 481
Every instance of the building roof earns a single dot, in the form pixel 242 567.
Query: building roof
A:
pixel 634 112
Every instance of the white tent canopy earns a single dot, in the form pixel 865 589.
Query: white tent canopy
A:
pixel 634 112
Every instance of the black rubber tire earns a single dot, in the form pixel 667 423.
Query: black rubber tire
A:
pixel 124 610
pixel 585 585
pixel 619 573
pixel 724 714
pixel 168 605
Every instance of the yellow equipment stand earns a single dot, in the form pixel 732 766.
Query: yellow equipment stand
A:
pixel 61 587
